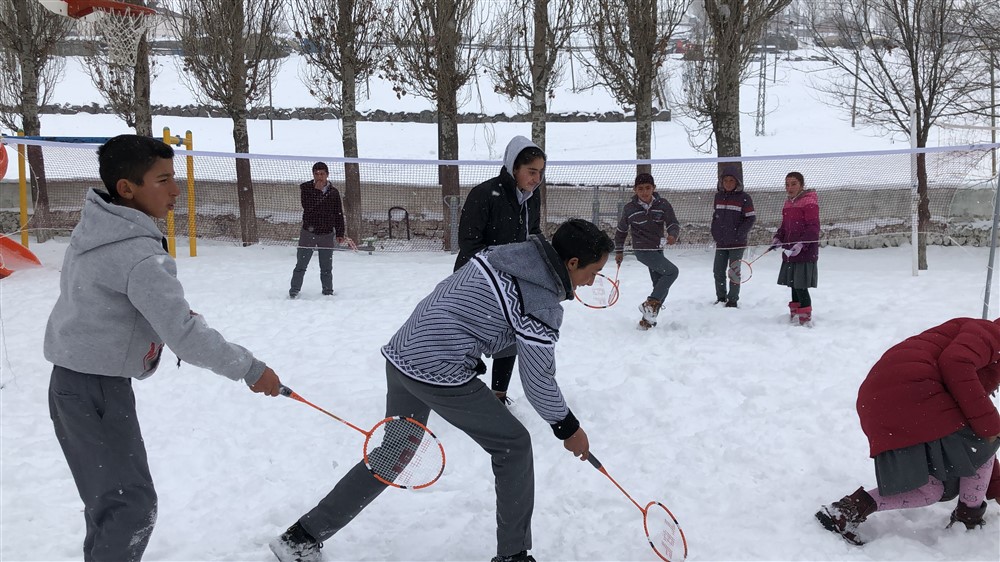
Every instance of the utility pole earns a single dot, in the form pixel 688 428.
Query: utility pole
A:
pixel 761 91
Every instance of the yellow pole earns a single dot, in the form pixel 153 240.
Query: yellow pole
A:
pixel 22 184
pixel 171 241
pixel 192 231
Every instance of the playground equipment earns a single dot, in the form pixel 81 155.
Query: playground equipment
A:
pixel 3 161
pixel 14 256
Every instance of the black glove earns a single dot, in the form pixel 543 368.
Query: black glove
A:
pixel 480 367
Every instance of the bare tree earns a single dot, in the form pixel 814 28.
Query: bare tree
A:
pixel 28 74
pixel 630 43
pixel 526 49
pixel 342 43
pixel 524 59
pixel 434 55
pixel 126 88
pixel 728 36
pixel 230 58
pixel 911 64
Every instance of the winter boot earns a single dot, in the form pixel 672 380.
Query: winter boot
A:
pixel 845 515
pixel 522 556
pixel 793 308
pixel 650 310
pixel 296 545
pixel 971 517
pixel 643 325
pixel 805 315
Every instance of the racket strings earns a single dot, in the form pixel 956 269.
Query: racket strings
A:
pixel 664 534
pixel 602 293
pixel 409 455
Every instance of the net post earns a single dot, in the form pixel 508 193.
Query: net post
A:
pixel 914 198
pixel 171 239
pixel 192 229
pixel 22 189
pixel 993 250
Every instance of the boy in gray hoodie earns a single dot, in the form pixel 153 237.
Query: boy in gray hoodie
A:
pixel 119 303
pixel 507 295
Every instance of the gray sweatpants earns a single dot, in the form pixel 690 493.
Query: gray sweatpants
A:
pixel 95 421
pixel 662 272
pixel 471 407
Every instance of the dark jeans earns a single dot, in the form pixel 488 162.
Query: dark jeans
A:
pixel 95 421
pixel 662 272
pixel 324 244
pixel 474 409
pixel 720 268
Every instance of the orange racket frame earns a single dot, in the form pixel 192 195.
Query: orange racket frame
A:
pixel 287 392
pixel 615 292
pixel 645 516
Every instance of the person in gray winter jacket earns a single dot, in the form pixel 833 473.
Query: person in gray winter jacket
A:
pixel 503 210
pixel 506 295
pixel 648 217
pixel 732 219
pixel 119 303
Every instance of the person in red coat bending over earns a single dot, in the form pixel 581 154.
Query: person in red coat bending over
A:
pixel 931 425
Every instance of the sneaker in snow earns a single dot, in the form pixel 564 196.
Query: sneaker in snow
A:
pixel 296 545
pixel 522 556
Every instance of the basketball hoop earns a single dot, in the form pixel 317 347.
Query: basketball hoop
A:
pixel 120 26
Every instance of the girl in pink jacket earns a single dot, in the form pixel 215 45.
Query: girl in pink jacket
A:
pixel 798 236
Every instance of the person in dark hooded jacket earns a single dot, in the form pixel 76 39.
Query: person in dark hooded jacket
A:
pixel 506 295
pixel 731 223
pixel 503 210
pixel 931 426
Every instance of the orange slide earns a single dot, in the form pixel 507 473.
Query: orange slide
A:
pixel 15 256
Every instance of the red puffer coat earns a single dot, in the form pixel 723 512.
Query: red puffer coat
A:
pixel 932 385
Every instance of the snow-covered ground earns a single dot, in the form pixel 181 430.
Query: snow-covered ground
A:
pixel 741 424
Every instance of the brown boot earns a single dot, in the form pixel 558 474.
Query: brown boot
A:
pixel 971 517
pixel 650 310
pixel 847 514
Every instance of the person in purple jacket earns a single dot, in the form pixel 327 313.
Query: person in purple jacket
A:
pixel 731 223
pixel 647 215
pixel 798 236
pixel 322 219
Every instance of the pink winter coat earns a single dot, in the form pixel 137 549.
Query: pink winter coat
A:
pixel 800 223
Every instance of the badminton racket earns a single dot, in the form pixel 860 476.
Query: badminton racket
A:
pixel 740 271
pixel 663 532
pixel 602 293
pixel 408 455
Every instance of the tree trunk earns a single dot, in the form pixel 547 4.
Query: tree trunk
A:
pixel 447 117
pixel 348 110
pixel 726 123
pixel 143 113
pixel 352 172
pixel 41 222
pixel 643 123
pixel 244 182
pixel 923 209
pixel 539 97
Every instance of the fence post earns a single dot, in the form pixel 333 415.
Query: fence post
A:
pixel 454 203
pixel 595 216
pixel 171 239
pixel 993 250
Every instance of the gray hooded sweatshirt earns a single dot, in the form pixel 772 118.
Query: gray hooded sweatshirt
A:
pixel 120 302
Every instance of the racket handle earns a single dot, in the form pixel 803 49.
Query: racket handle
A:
pixel 593 460
pixel 285 391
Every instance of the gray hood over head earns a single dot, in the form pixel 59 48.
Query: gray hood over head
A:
pixel 514 147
